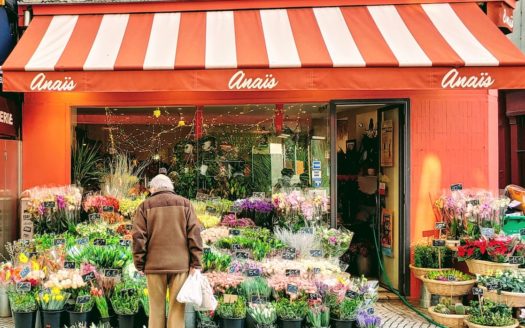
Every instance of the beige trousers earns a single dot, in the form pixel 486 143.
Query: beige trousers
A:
pixel 158 284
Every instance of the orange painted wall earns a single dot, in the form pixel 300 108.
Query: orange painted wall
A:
pixel 453 136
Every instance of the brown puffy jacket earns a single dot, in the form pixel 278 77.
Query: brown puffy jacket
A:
pixel 166 235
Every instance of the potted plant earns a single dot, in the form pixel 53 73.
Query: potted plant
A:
pixel 205 319
pixel 232 312
pixel 507 287
pixel 125 302
pixel 263 315
pixel 52 302
pixel 83 305
pixel 448 314
pixel 291 313
pixel 101 304
pixel 427 258
pixel 487 255
pixel 448 283
pixel 490 314
pixel 343 314
pixel 318 316
pixel 23 306
pixel 368 320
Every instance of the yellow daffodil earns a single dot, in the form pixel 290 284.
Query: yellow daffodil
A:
pixel 55 291
pixel 145 291
pixel 23 258
pixel 35 265
pixel 59 298
pixel 45 298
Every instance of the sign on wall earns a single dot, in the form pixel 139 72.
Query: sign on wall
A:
pixel 387 144
pixel 8 118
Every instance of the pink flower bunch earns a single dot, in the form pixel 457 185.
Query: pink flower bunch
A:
pixel 279 283
pixel 221 282
pixel 231 221
pixel 96 203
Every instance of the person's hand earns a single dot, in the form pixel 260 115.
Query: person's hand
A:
pixel 193 270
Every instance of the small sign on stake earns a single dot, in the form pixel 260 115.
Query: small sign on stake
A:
pixel 99 242
pixel 124 242
pixel 351 294
pixel 108 209
pixel 316 270
pixel 289 253
pixel 307 230
pixel 292 289
pixel 487 232
pixel 316 253
pixel 456 187
pixel 82 241
pixel 441 225
pixel 88 276
pixel 293 272
pixel 59 242
pixel 69 265
pixel 438 242
pixel 111 273
pixel 260 195
pixel 23 287
pixel 256 299
pixel 313 296
pixel 516 259
pixel 253 272
pixel 50 204
pixel 236 247
pixel 83 299
pixel 476 291
pixel 242 255
pixel 235 232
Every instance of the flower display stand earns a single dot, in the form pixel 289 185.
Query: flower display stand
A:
pixel 448 320
pixel 448 288
pixel 487 267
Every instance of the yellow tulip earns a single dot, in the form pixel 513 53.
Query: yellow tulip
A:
pixel 55 291
pixel 59 298
pixel 23 258
pixel 36 267
pixel 46 298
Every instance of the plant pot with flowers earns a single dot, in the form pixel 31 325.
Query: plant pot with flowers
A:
pixel 428 258
pixel 83 305
pixel 448 283
pixel 263 315
pixel 365 319
pixel 101 304
pixel 507 287
pixel 125 302
pixel 232 311
pixel 490 314
pixel 206 319
pixel 52 302
pixel 291 313
pixel 449 314
pixel 23 306
pixel 318 316
pixel 487 255
pixel 343 314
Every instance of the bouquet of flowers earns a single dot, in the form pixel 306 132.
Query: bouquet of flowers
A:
pixel 53 300
pixel 335 242
pixel 294 208
pixel 367 320
pixel 97 203
pixel 496 249
pixel 260 210
pixel 223 282
pixel 65 279
pixel 210 236
pixel 100 302
pixel 264 315
pixel 231 221
pixel 128 205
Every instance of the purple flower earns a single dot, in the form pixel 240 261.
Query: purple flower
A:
pixel 366 320
pixel 61 202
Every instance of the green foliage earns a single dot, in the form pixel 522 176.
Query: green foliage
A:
pixel 426 256
pixel 108 257
pixel 291 310
pixel 318 317
pixel 86 165
pixel 346 309
pixel 212 261
pixel 445 306
pixel 125 299
pixel 507 281
pixel 260 242
pixel 22 302
pixel 85 307
pixel 448 275
pixel 490 314
pixel 236 310
pixel 256 286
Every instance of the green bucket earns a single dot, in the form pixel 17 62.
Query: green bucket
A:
pixel 513 225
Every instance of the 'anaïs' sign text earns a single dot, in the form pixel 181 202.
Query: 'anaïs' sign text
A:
pixel 41 83
pixel 453 79
pixel 240 81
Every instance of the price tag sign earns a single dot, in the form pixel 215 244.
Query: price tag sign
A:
pixel 25 271
pixel 516 260
pixel 49 204
pixel 289 253
pixel 260 195
pixel 206 250
pixel 112 273
pixel 473 202
pixel 23 287
pixel 253 272
pixel 241 255
pixel 211 210
pixel 351 294
pixel 491 287
pixel 236 247
pixel 313 296
pixel 477 291
pixel 88 276
pixel 82 241
pixel 108 209
pixel 229 298
pixel 256 299
pixel 94 217
pixel 293 272
pixel 59 242
pixel 307 230
pixel 69 265
pixel 129 227
pixel 487 232
pixel 451 277
pixel 441 225
pixel 522 232
pixel 124 242
pixel 316 270
pixel 83 299
pixel 316 253
pixel 292 289
pixel 99 242
pixel 438 242
pixel 456 187
pixel 235 232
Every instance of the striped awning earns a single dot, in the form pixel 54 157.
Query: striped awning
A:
pixel 428 40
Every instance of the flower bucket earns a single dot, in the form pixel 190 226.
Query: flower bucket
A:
pixel 420 272
pixel 336 323
pixel 52 319
pixel 473 325
pixel 487 267
pixel 24 319
pixel 232 323
pixel 78 317
pixel 448 320
pixel 508 298
pixel 291 323
pixel 5 310
pixel 448 288
pixel 126 320
pixel 190 317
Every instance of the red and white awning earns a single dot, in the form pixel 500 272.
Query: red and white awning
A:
pixel 430 36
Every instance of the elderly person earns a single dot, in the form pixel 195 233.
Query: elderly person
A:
pixel 166 247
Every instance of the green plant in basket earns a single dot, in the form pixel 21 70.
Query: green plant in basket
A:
pixel 507 281
pixel 291 310
pixel 233 310
pixel 445 306
pixel 125 299
pixel 22 302
pixel 448 275
pixel 213 261
pixel 426 256
pixel 491 314
pixel 346 309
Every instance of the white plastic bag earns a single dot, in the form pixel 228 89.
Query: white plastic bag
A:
pixel 209 303
pixel 191 291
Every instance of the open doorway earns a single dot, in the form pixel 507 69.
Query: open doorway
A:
pixel 370 187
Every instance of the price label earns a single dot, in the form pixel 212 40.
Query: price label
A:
pixel 128 292
pixel 256 299
pixel 83 299
pixel 229 298
pixel 487 232
pixel 451 277
pixel 292 289
pixel 23 287
pixel 313 296
pixel 69 265
pixel 316 270
pixel 82 241
pixel 88 276
pixel 438 242
pixel 99 242
pixel 59 242
pixel 236 247
pixel 351 294
pixel 129 227
pixel 253 272
pixel 370 311
pixel 456 187
pixel 108 209
pixel 307 230
pixel 477 291
pixel 516 260
pixel 206 250
pixel 49 204
pixel 495 286
pixel 473 202
pixel 241 255
pixel 316 253
pixel 111 273
pixel 25 271
pixel 522 232
pixel 441 225
pixel 289 253
pixel 94 217
pixel 293 272
pixel 260 195
pixel 234 209
pixel 235 232
pixel 211 210
pixel 124 242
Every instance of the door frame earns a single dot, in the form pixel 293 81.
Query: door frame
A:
pixel 404 187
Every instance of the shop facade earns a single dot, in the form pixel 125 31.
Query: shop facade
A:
pixel 437 65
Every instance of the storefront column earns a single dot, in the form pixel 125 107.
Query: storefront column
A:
pixel 514 160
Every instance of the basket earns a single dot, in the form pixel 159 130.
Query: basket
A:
pixel 486 267
pixel 473 325
pixel 508 298
pixel 420 272
pixel 448 288
pixel 448 320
